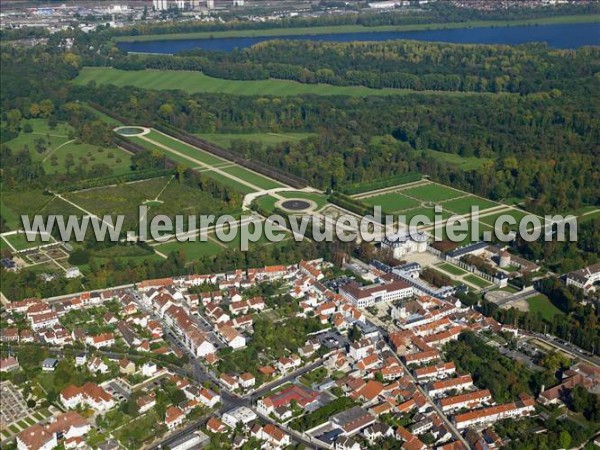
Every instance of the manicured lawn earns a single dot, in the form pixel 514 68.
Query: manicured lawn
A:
pixel 459 230
pixel 39 416
pixel 267 139
pixel 192 250
pixel 463 205
pixel 186 149
pixel 14 428
pixel 17 203
pixel 252 177
pixel 267 202
pixel 433 192
pixel 195 82
pixel 429 213
pixel 391 202
pixel 29 421
pixel 451 268
pixel 20 241
pixel 516 214
pixel 476 281
pixel 542 305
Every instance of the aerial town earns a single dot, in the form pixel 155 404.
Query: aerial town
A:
pixel 185 361
pixel 299 224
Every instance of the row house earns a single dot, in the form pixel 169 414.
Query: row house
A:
pixel 493 414
pixel 469 400
pixel 437 371
pixel 43 320
pixel 90 395
pixel 101 340
pixel 460 383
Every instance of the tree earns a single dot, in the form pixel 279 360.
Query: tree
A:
pixel 355 333
pixel 69 161
pixel 565 439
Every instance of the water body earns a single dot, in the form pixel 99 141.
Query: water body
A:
pixel 565 36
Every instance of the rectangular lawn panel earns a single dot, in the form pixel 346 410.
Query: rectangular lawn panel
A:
pixel 429 213
pixel 252 177
pixel 186 149
pixel 433 192
pixel 463 205
pixel 516 214
pixel 477 281
pixel 391 202
pixel 451 268
pixel 542 305
pixel 20 241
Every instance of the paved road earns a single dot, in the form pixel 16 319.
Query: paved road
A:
pixel 449 424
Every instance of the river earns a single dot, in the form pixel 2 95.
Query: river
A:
pixel 564 36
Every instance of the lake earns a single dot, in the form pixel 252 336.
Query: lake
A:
pixel 566 36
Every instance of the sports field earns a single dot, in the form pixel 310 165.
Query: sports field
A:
pixel 195 82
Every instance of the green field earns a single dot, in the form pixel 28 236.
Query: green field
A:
pixel 196 82
pixel 20 241
pixel 476 281
pixel 464 162
pixel 451 268
pixel 433 192
pixel 391 202
pixel 423 211
pixel 192 250
pixel 463 205
pixel 252 177
pixel 458 230
pixel 193 154
pixel 186 149
pixel 301 31
pixel 58 145
pixel 267 202
pixel 542 305
pixel 267 139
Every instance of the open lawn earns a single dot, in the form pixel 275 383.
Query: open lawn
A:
pixel 391 202
pixel 514 213
pixel 17 203
pixel 458 230
pixel 463 205
pixel 195 158
pixel 464 162
pixel 88 155
pixel 252 177
pixel 192 250
pixel 451 268
pixel 267 139
pixel 195 82
pixel 433 192
pixel 57 144
pixel 358 28
pixel 428 213
pixel 20 241
pixel 477 281
pixel 267 202
pixel 540 304
pixel 186 149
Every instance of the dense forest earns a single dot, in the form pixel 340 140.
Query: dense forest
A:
pixel 540 147
pixel 402 64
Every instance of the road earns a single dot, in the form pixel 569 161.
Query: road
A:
pixel 570 349
pixel 450 425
